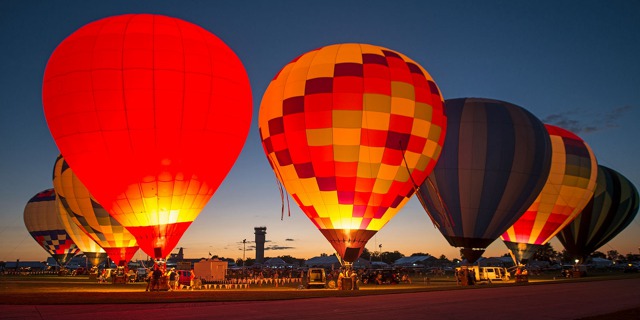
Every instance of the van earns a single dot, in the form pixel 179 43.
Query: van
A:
pixel 493 273
pixel 316 277
pixel 488 273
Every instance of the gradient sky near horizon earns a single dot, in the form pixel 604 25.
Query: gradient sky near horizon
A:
pixel 571 63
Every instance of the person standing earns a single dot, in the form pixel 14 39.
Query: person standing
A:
pixel 155 278
pixel 172 279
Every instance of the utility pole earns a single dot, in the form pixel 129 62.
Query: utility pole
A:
pixel 244 247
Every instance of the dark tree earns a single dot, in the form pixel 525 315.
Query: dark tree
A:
pixel 546 253
pixel 366 254
pixel 419 254
pixel 613 255
pixel 391 257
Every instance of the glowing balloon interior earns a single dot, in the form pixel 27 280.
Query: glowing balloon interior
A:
pixel 348 129
pixel 151 113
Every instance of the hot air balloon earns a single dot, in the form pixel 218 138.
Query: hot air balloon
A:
pixel 93 253
pixel 570 185
pixel 611 209
pixel 494 163
pixel 349 129
pixel 85 212
pixel 41 220
pixel 151 113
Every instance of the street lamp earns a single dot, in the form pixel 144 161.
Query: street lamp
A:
pixel 380 253
pixel 244 246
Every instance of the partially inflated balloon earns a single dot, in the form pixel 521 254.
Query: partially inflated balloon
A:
pixel 151 113
pixel 494 162
pixel 349 129
pixel 41 220
pixel 94 254
pixel 85 212
pixel 570 185
pixel 611 209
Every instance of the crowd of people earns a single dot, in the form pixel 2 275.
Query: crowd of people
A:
pixel 161 278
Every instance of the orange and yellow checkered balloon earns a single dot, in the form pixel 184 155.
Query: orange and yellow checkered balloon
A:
pixel 349 129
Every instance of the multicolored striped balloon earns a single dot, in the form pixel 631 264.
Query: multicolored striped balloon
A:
pixel 569 187
pixel 94 254
pixel 85 212
pixel 612 208
pixel 494 162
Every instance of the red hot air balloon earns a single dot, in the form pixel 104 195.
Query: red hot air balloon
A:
pixel 349 129
pixel 151 113
pixel 570 185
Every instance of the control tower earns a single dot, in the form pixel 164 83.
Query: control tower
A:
pixel 261 233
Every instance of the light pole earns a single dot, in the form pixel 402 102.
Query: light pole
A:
pixel 380 253
pixel 244 246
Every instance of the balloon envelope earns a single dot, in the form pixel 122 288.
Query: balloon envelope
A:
pixel 494 162
pixel 612 208
pixel 41 220
pixel 348 129
pixel 151 112
pixel 86 213
pixel 92 251
pixel 570 185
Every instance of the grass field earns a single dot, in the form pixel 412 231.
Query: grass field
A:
pixel 41 289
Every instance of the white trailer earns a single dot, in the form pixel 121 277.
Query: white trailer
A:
pixel 210 270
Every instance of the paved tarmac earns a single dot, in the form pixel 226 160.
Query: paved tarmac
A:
pixel 548 301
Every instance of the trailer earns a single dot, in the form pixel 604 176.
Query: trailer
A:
pixel 210 270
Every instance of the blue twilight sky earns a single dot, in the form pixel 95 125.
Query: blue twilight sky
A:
pixel 571 63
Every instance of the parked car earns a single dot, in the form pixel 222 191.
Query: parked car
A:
pixel 631 268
